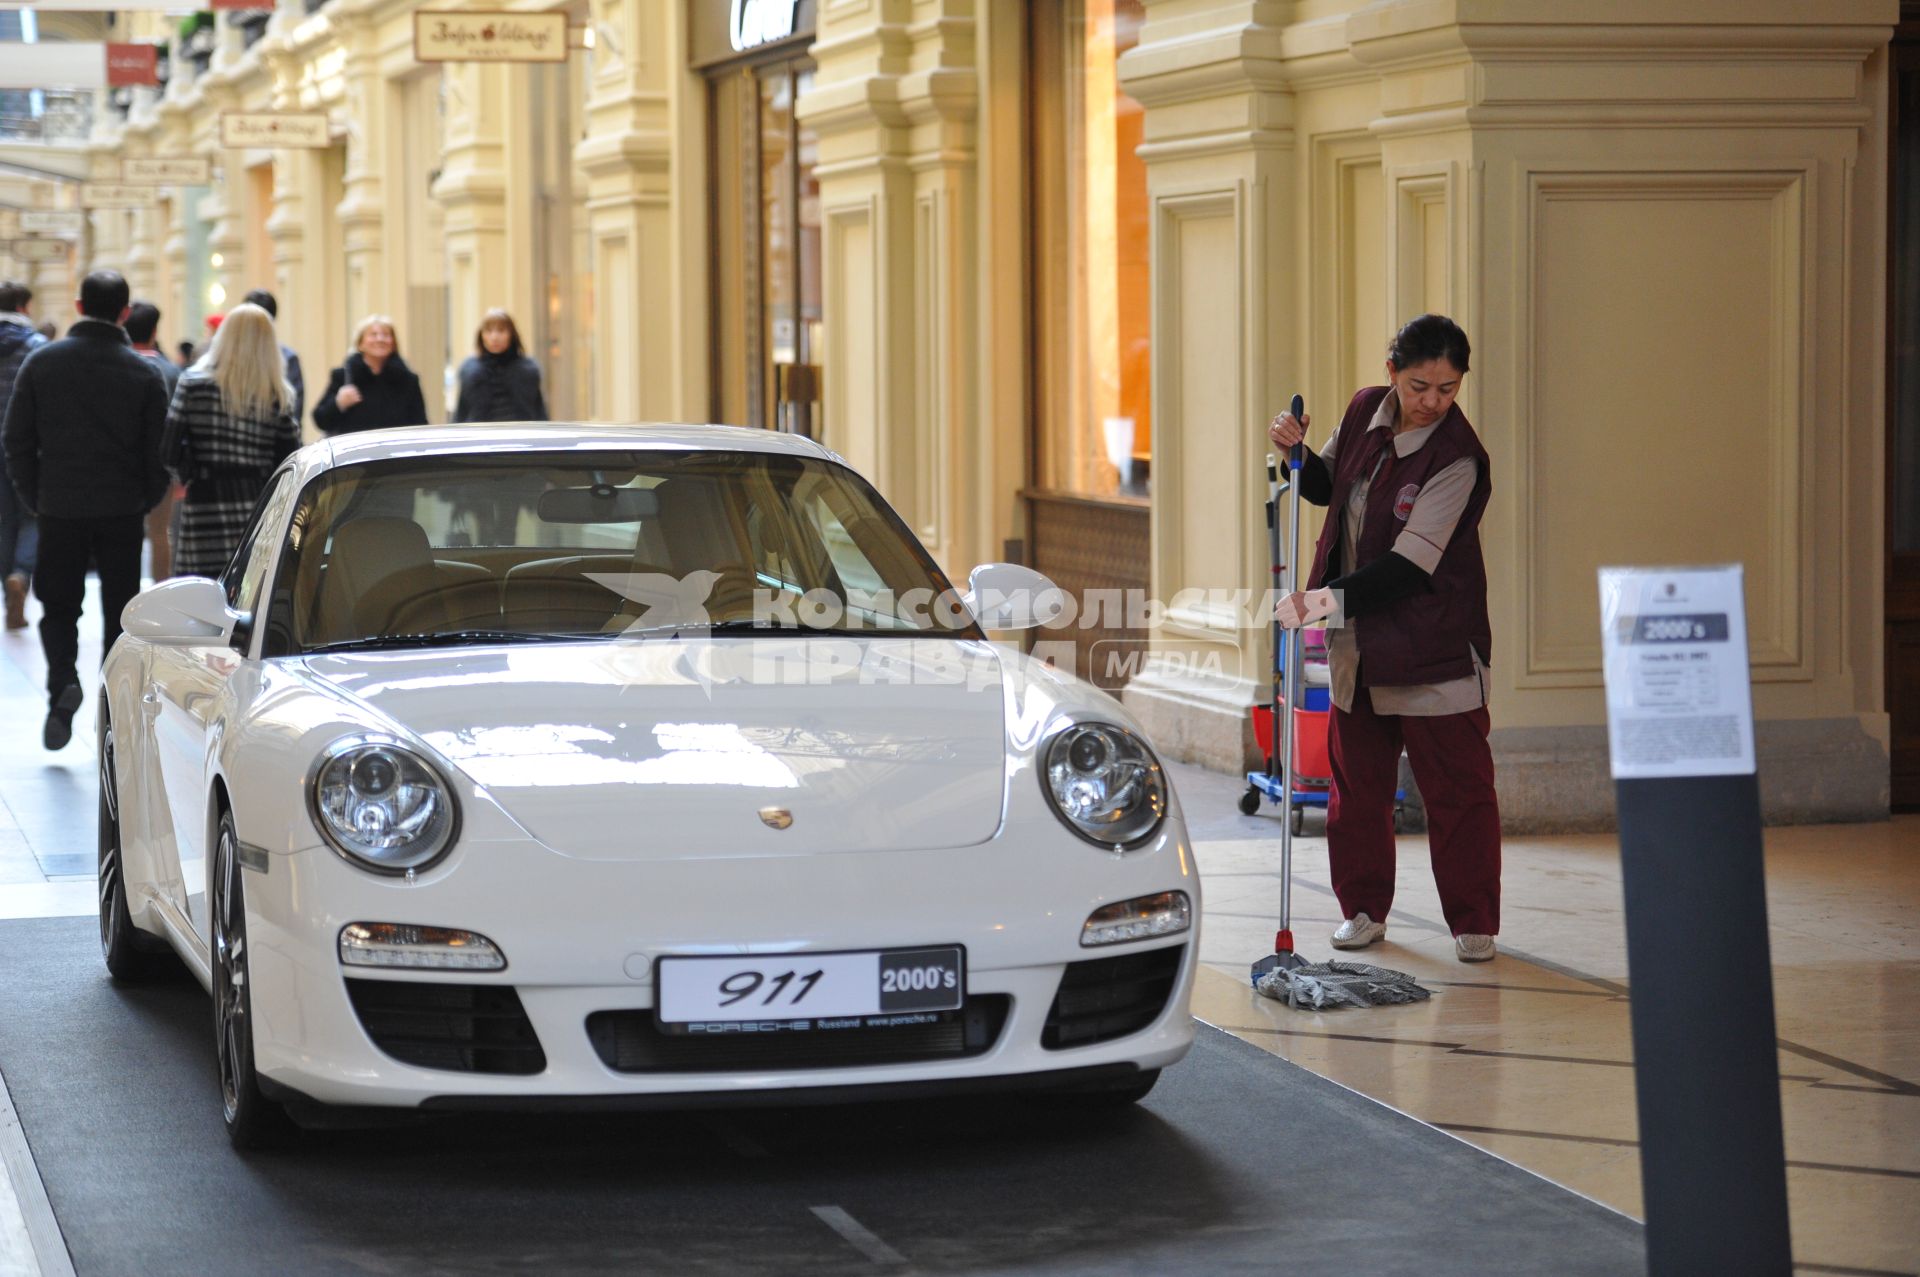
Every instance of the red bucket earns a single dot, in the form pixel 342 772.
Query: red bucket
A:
pixel 1310 762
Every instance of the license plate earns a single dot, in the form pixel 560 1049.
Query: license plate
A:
pixel 809 986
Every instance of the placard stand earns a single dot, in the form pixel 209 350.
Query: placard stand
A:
pixel 1706 1069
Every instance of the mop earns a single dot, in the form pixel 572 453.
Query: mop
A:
pixel 1283 974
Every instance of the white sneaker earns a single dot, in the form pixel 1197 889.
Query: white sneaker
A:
pixel 1473 948
pixel 1358 932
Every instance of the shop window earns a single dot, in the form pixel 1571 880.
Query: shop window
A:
pixel 1092 318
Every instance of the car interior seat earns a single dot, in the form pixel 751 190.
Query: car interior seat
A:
pixel 380 579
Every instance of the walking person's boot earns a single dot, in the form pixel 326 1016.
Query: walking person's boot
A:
pixel 59 728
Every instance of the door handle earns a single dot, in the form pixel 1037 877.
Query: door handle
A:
pixel 150 701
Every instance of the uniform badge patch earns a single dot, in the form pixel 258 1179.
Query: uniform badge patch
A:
pixel 1403 504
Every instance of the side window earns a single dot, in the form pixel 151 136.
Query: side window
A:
pixel 261 542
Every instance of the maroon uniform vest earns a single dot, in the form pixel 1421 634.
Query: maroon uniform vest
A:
pixel 1421 638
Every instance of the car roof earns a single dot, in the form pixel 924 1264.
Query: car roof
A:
pixel 542 436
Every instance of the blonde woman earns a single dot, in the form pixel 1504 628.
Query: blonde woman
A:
pixel 374 387
pixel 230 424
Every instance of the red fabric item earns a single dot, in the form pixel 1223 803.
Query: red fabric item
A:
pixel 1453 765
pixel 213 322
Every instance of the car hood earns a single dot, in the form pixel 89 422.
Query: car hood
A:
pixel 674 749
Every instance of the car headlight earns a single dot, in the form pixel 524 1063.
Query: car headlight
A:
pixel 381 805
pixel 1105 784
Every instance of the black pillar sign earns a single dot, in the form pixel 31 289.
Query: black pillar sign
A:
pixel 1706 1069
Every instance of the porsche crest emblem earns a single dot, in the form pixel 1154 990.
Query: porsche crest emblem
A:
pixel 775 817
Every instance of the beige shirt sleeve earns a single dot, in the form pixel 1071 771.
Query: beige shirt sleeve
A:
pixel 1326 454
pixel 1435 514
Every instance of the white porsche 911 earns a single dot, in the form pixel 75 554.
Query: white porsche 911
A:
pixel 628 765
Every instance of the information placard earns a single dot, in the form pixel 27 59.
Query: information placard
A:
pixel 167 170
pixel 1679 701
pixel 38 250
pixel 117 195
pixel 53 221
pixel 306 130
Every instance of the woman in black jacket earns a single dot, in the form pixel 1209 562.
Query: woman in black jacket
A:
pixel 498 382
pixel 373 388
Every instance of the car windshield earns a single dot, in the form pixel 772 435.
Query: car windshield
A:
pixel 539 546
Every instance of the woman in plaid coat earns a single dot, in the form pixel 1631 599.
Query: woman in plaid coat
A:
pixel 230 424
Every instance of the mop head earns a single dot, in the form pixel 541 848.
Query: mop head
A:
pixel 1328 986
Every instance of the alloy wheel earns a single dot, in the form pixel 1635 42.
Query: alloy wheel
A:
pixel 109 843
pixel 231 1037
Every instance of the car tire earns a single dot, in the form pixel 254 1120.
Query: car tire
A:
pixel 132 956
pixel 253 1121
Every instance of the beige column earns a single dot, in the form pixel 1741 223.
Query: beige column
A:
pixel 140 260
pixel 472 188
pixel 907 260
pixel 1219 151
pixel 362 213
pixel 1665 234
pixel 298 274
pixel 172 138
pixel 651 338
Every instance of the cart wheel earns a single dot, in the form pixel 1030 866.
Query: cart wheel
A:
pixel 1299 819
pixel 1250 801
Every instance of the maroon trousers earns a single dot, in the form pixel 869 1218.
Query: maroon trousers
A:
pixel 1454 767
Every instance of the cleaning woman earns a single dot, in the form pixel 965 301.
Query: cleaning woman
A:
pixel 1399 579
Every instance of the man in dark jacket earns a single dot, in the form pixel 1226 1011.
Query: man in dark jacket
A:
pixel 264 300
pixel 18 535
pixel 83 445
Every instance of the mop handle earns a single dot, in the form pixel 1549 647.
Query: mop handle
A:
pixel 1296 454
pixel 1283 731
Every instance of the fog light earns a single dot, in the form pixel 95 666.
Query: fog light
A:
pixel 396 944
pixel 1139 919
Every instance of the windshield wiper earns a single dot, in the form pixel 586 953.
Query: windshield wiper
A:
pixel 443 638
pixel 741 625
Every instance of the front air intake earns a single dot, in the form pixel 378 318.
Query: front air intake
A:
pixel 1105 998
pixel 467 1028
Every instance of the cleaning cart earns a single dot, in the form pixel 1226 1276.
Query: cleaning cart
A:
pixel 1307 780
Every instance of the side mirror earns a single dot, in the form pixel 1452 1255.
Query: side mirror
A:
pixel 1006 596
pixel 188 609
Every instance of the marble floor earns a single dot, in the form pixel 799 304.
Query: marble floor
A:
pixel 1528 1057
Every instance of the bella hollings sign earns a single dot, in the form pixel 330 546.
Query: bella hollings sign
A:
pixel 470 36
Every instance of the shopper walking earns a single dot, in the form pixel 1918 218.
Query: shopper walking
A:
pixel 19 535
pixel 82 434
pixel 498 382
pixel 143 321
pixel 230 424
pixel 374 387
pixel 265 301
pixel 1399 575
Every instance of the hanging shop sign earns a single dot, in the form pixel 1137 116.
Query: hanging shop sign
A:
pixel 720 31
pixel 293 130
pixel 65 221
pixel 132 64
pixel 117 195
pixel 167 170
pixel 752 23
pixel 477 36
pixel 38 250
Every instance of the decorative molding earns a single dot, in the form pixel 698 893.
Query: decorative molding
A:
pixel 1173 488
pixel 1781 642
